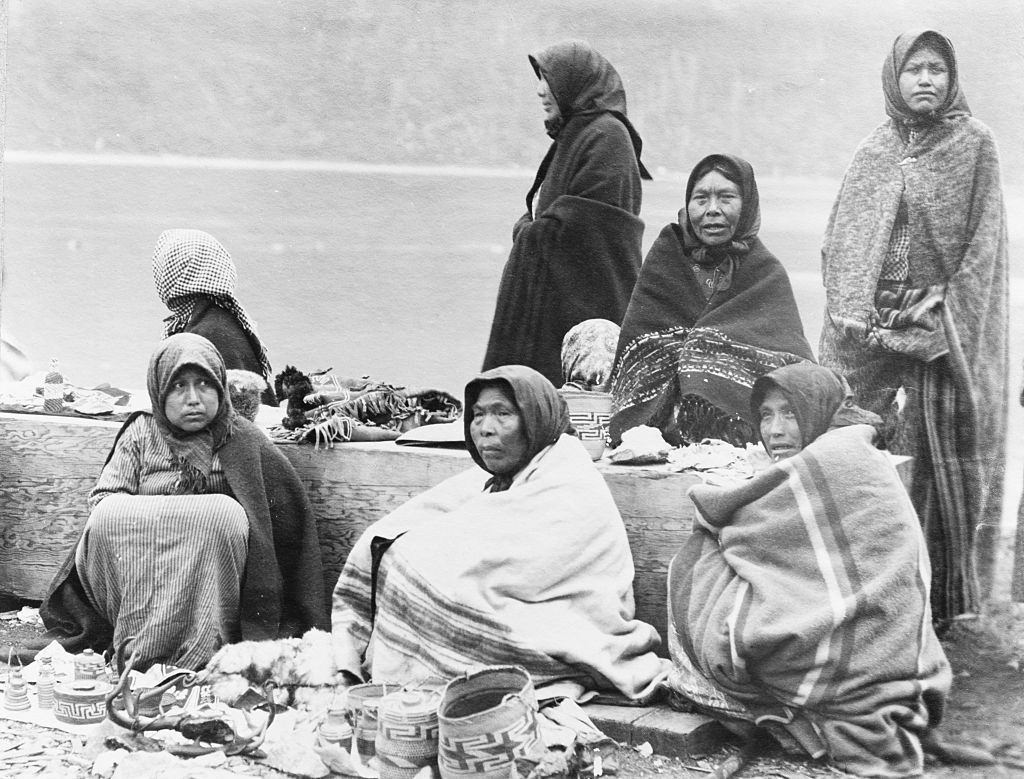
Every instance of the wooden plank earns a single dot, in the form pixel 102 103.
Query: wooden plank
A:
pixel 48 465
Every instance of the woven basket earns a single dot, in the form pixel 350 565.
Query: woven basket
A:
pixel 407 732
pixel 365 732
pixel 487 719
pixel 358 693
pixel 589 413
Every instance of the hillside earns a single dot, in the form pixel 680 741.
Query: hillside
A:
pixel 793 87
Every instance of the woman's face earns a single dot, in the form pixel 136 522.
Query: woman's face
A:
pixel 924 80
pixel 779 429
pixel 547 99
pixel 192 401
pixel 497 431
pixel 714 209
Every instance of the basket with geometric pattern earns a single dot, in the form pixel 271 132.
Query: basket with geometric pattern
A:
pixel 487 719
pixel 589 413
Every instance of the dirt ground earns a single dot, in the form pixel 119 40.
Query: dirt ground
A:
pixel 985 709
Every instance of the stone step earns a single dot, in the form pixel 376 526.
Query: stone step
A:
pixel 670 733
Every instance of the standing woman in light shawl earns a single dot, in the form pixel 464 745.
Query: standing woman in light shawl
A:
pixel 195 278
pixel 200 532
pixel 576 251
pixel 712 311
pixel 915 269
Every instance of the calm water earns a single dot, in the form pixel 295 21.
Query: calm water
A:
pixel 388 274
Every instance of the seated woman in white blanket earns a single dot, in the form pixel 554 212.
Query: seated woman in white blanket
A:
pixel 523 562
pixel 800 601
pixel 200 534
pixel 712 310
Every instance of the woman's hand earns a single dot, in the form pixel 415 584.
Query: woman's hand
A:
pixel 917 342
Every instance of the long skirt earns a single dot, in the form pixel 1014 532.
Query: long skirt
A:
pixel 166 569
pixel 933 423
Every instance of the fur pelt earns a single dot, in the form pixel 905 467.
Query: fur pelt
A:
pixel 294 386
pixel 245 389
pixel 302 670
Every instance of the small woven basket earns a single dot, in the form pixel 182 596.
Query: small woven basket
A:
pixel 487 719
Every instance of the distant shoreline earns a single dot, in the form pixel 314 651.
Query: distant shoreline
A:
pixel 27 157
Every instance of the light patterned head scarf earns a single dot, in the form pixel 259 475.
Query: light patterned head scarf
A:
pixel 189 264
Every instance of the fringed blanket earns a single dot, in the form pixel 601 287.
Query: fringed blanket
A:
pixel 539 575
pixel 948 180
pixel 675 343
pixel 803 595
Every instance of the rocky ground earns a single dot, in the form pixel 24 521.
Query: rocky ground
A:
pixel 986 710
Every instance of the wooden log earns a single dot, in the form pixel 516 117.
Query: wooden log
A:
pixel 48 465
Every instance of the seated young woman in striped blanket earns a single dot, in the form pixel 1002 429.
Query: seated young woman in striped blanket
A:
pixel 200 534
pixel 523 560
pixel 800 601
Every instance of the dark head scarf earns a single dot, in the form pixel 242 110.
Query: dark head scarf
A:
pixel 896 107
pixel 192 451
pixel 583 82
pixel 542 410
pixel 820 398
pixel 814 394
pixel 740 172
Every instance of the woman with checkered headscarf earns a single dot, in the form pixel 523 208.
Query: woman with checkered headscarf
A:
pixel 195 278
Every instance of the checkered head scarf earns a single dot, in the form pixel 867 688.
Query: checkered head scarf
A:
pixel 189 264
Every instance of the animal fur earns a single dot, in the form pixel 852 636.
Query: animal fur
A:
pixel 302 669
pixel 245 389
pixel 293 385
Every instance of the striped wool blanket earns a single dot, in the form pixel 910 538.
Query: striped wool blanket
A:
pixel 803 596
pixel 539 575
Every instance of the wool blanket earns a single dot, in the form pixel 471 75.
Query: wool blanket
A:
pixel 282 589
pixel 578 260
pixel 675 342
pixel 241 350
pixel 947 177
pixel 539 575
pixel 803 594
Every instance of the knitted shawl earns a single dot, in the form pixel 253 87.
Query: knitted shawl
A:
pixel 947 175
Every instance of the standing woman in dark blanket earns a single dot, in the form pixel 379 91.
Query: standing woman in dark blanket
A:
pixel 915 270
pixel 712 311
pixel 195 278
pixel 576 251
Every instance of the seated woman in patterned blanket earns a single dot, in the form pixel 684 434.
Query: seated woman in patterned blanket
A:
pixel 522 560
pixel 800 601
pixel 200 534
pixel 712 310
